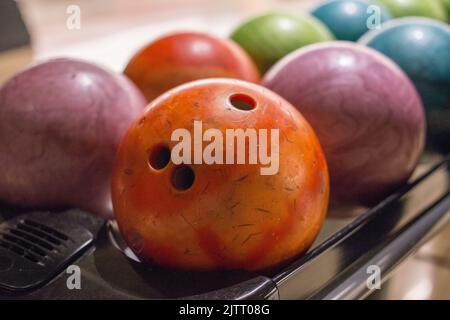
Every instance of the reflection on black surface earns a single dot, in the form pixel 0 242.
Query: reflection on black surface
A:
pixel 371 235
pixel 151 281
pixel 357 242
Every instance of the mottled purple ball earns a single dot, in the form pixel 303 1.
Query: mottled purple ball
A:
pixel 60 124
pixel 365 111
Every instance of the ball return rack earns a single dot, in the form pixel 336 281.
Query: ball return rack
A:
pixel 37 247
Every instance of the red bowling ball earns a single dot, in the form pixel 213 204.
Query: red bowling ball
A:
pixel 365 111
pixel 217 215
pixel 187 56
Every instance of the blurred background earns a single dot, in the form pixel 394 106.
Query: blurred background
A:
pixel 110 31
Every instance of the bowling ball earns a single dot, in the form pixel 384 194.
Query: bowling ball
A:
pixel 446 4
pixel 60 125
pixel 348 19
pixel 365 111
pixel 419 8
pixel 269 37
pixel 421 47
pixel 208 215
pixel 186 56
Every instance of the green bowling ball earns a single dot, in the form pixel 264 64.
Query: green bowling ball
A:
pixel 420 8
pixel 269 37
pixel 447 6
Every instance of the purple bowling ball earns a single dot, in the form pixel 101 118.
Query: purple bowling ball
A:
pixel 60 124
pixel 365 111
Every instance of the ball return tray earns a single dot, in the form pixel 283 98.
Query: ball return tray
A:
pixel 334 268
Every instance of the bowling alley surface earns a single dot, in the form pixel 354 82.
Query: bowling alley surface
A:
pixel 109 24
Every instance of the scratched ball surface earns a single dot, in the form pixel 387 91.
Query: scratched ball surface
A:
pixel 220 216
pixel 269 37
pixel 350 19
pixel 60 124
pixel 365 111
pixel 186 56
pixel 421 47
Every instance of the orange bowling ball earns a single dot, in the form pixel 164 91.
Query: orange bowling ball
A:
pixel 186 56
pixel 248 189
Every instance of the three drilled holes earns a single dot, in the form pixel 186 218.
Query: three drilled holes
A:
pixel 183 176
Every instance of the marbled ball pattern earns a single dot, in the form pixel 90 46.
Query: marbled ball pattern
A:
pixel 365 111
pixel 60 124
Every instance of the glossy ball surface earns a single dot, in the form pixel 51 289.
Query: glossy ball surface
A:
pixel 219 216
pixel 365 111
pixel 421 47
pixel 187 56
pixel 418 8
pixel 348 19
pixel 60 125
pixel 268 38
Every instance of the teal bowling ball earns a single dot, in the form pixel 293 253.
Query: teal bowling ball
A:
pixel 421 47
pixel 350 19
